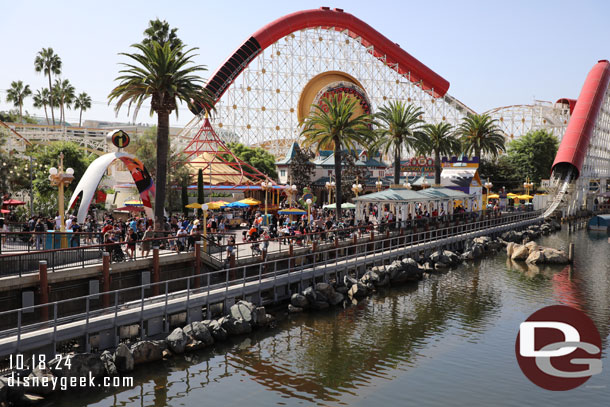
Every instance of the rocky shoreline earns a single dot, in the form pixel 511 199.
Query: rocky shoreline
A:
pixel 244 317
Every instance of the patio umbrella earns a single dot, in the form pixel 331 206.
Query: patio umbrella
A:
pixel 524 197
pixel 236 205
pixel 510 195
pixel 346 205
pixel 133 202
pixel 4 211
pixel 11 202
pixel 217 204
pixel 131 208
pixel 292 211
pixel 250 201
pixel 193 205
pixel 493 196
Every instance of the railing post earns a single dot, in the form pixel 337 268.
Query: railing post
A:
pixel 291 261
pixel 44 289
pixel 106 279
pixel 156 276
pixel 197 282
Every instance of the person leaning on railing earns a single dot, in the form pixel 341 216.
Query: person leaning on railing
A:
pixel 146 241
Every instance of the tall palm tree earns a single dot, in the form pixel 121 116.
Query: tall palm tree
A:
pixel 400 126
pixel 41 99
pixel 48 62
pixel 160 32
pixel 17 94
pixel 438 139
pixel 64 93
pixel 82 102
pixel 166 76
pixel 481 135
pixel 333 124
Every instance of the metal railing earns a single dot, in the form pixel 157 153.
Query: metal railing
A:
pixel 33 241
pixel 117 305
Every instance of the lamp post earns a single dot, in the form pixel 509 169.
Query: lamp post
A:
pixel 357 188
pixel 527 185
pixel 330 186
pixel 266 185
pixel 424 184
pixel 204 208
pixel 308 202
pixel 378 184
pixel 291 191
pixel 60 179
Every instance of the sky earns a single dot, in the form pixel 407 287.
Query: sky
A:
pixel 493 53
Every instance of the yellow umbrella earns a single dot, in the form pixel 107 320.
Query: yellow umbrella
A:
pixel 250 201
pixel 511 195
pixel 216 204
pixel 194 205
pixel 524 197
pixel 493 196
pixel 133 202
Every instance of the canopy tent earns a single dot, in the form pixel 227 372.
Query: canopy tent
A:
pixel 236 204
pixel 217 204
pixel 4 211
pixel 346 205
pixel 12 202
pixel 194 205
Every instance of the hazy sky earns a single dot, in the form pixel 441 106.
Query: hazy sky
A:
pixel 493 53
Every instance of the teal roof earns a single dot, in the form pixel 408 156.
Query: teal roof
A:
pixel 286 160
pixel 430 194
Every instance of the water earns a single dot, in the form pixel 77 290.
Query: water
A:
pixel 448 340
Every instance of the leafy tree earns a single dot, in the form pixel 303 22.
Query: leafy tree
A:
pixel 533 154
pixel 399 127
pixel 41 99
pixel 17 94
pixel 12 116
pixel 257 157
pixel 165 76
pixel 332 124
pixel 64 95
pixel 481 135
pixel 502 172
pixel 437 139
pixel 351 174
pixel 82 102
pixel 301 168
pixel 48 62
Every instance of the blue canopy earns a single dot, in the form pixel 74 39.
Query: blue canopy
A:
pixel 237 205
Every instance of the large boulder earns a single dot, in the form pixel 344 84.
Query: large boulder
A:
pixel 370 277
pixel 326 289
pixel 477 250
pixel 535 257
pixel 235 326
pixel 123 358
pixel 554 256
pixel 217 331
pixel 299 300
pixel 244 310
pixel 294 310
pixel 520 252
pixel 410 265
pixel 453 258
pixel 531 247
pixel 310 294
pixel 146 351
pixel 108 360
pixel 349 281
pixel 84 365
pixel 510 246
pixel 468 255
pixel 336 299
pixel 199 331
pixel 320 304
pixel 357 291
pixel 261 316
pixel 40 376
pixel 177 341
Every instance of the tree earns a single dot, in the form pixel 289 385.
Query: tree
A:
pixel 332 125
pixel 165 76
pixel 64 95
pixel 351 174
pixel 501 172
pixel 50 64
pixel 41 99
pixel 480 135
pixel 301 168
pixel 17 94
pixel 82 102
pixel 200 193
pixel 437 139
pixel 160 32
pixel 399 127
pixel 533 154
pixel 257 157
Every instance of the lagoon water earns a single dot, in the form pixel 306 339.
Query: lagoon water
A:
pixel 447 340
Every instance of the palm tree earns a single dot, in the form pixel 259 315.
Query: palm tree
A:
pixel 332 125
pixel 41 99
pixel 160 32
pixel 48 62
pixel 166 76
pixel 16 94
pixel 480 134
pixel 438 139
pixel 400 126
pixel 64 93
pixel 82 102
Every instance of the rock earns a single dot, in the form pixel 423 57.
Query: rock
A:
pixel 349 281
pixel 310 294
pixel 299 300
pixel 13 393
pixel 468 255
pixel 453 258
pixel 343 289
pixel 194 344
pixel 167 353
pixel 41 376
pixel 294 310
pixel 428 267
pixel 555 225
pixel 477 250
pixel 510 246
pixel 357 291
pixel 146 351
pixel 199 331
pixel 320 297
pixel 123 358
pixel 535 257
pixel 326 289
pixel 83 364
pixel 483 241
pixel 29 399
pixel 554 256
pixel 440 266
pixel 261 316
pixel 494 246
pixel 384 282
pixel 235 326
pixel 531 247
pixel 370 277
pixel 320 305
pixel 108 361
pixel 410 265
pixel 400 277
pixel 336 299
pixel 177 340
pixel 520 252
pixel 3 391
pixel 245 311
pixel 218 332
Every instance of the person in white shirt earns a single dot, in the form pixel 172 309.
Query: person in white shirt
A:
pixel 69 223
pixel 58 222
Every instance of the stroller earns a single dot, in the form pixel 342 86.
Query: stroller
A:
pixel 117 254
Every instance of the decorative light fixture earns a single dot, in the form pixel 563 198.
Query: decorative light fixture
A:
pixel 61 179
